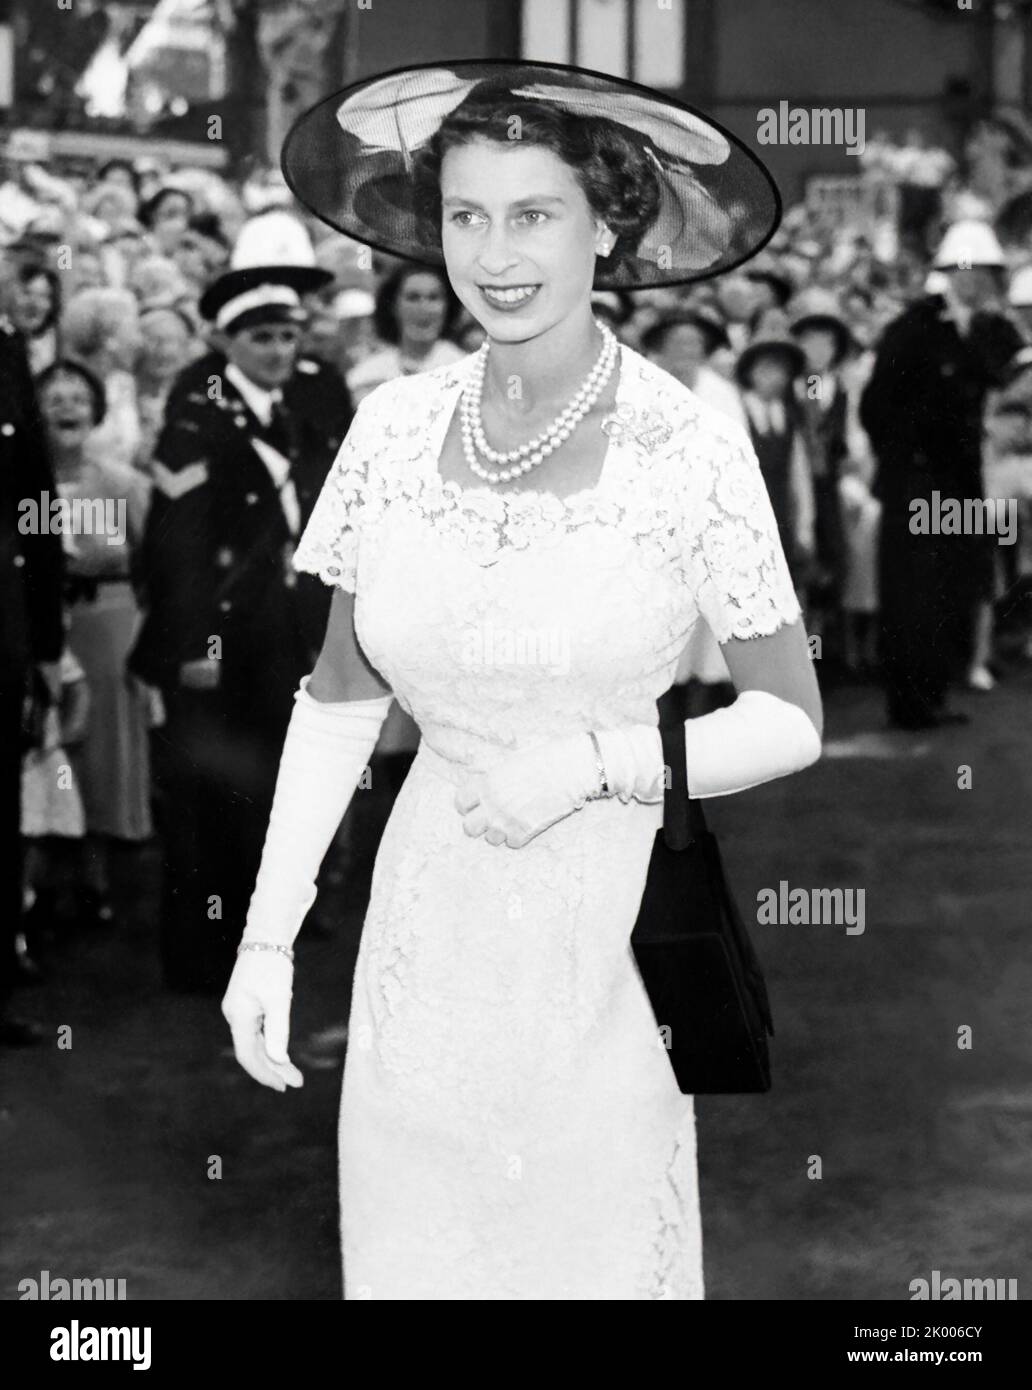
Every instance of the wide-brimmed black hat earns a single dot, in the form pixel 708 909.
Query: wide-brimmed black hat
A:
pixel 778 282
pixel 350 160
pixel 713 332
pixel 817 309
pixel 769 345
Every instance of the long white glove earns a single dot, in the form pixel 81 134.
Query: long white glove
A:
pixel 754 740
pixel 757 738
pixel 324 754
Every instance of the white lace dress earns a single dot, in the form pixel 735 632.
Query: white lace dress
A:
pixel 510 1126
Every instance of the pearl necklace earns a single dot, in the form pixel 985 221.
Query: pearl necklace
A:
pixel 527 456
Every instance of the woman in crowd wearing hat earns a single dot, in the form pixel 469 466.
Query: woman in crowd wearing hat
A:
pixel 111 763
pixel 923 411
pixel 415 316
pixel 767 371
pixel 229 628
pixel 509 1127
pixel 829 424
pixel 682 342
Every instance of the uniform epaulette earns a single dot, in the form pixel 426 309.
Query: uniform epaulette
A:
pixel 177 484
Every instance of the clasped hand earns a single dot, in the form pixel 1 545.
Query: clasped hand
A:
pixel 527 791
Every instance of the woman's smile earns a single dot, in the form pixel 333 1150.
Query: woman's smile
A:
pixel 507 297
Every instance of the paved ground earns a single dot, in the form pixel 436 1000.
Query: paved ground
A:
pixel 925 1148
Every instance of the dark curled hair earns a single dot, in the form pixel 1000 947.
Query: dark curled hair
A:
pixel 39 270
pixel 610 164
pixel 68 366
pixel 385 314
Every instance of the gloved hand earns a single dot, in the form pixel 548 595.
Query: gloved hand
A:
pixel 755 739
pixel 531 789
pixel 324 753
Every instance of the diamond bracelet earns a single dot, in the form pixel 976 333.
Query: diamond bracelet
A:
pixel 266 946
pixel 602 779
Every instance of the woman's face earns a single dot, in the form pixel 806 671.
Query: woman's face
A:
pixel 770 377
pixel 170 221
pixel 67 410
pixel 420 308
pixel 191 256
pixel 164 342
pixel 821 348
pixel 683 351
pixel 33 303
pixel 518 236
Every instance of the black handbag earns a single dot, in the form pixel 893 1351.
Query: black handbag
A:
pixel 694 955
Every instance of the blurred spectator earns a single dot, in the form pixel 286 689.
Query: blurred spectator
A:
pixel 766 372
pixel 167 344
pixel 112 762
pixel 100 328
pixel 416 313
pixel 166 215
pixel 35 308
pixel 31 639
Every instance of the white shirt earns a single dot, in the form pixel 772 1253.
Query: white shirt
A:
pixel 261 404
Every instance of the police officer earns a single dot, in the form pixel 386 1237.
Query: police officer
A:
pixel 229 628
pixel 922 409
pixel 31 631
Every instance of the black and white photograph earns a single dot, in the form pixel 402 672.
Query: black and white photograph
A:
pixel 515 665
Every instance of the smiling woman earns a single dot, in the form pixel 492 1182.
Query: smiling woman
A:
pixel 509 1127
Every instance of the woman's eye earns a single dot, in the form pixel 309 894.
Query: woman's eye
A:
pixel 459 216
pixel 533 212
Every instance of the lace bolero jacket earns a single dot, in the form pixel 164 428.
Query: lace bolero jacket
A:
pixel 679 477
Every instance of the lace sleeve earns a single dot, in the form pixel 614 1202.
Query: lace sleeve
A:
pixel 329 545
pixel 734 559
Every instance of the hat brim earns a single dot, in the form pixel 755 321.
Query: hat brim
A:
pixel 827 323
pixel 303 279
pixel 769 347
pixel 348 160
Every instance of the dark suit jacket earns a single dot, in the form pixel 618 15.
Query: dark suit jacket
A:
pixel 31 564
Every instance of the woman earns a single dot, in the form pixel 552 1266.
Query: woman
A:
pixel 415 315
pixel 100 328
pixel 35 308
pixel 509 1127
pixel 109 501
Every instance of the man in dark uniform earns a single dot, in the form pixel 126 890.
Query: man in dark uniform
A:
pixel 31 629
pixel 229 628
pixel 922 409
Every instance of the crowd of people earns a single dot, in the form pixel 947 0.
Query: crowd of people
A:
pixel 174 336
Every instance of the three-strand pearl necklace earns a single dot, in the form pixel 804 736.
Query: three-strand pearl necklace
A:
pixel 518 461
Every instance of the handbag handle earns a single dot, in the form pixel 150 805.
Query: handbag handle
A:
pixel 683 821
